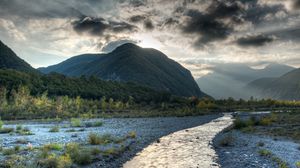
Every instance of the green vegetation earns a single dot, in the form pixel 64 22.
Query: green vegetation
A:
pixel 94 124
pixel 95 139
pixel 298 164
pixel 54 129
pixel 265 152
pixel 274 124
pixel 53 146
pixel 268 154
pixel 76 122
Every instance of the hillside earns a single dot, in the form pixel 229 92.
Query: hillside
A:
pixel 9 60
pixel 286 87
pixel 229 80
pixel 129 62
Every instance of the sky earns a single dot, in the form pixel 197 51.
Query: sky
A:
pixel 199 34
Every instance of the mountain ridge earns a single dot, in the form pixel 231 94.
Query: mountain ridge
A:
pixel 144 66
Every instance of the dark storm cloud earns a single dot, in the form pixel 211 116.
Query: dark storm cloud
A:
pixel 148 24
pixel 296 4
pixel 255 41
pixel 97 26
pixel 137 18
pixel 206 26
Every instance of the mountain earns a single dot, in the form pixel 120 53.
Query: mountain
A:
pixel 67 66
pixel 285 87
pixel 130 62
pixel 9 60
pixel 229 80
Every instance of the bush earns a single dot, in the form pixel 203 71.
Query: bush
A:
pixel 53 146
pixel 238 123
pixel 95 139
pixel 78 155
pixel 75 122
pixel 94 124
pixel 6 130
pixel 10 151
pixel 24 131
pixel 53 161
pixel 265 152
pixel 54 129
pixel 131 135
pixel 19 127
pixel 265 121
pixel 1 123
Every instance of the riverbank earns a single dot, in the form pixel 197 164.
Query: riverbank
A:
pixel 146 130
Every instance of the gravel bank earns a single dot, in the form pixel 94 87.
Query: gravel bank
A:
pixel 190 148
pixel 244 151
pixel 147 129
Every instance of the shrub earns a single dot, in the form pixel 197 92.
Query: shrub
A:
pixel 53 146
pixel 265 121
pixel 6 130
pixel 95 139
pixel 265 152
pixel 54 129
pixel 131 135
pixel 1 123
pixel 83 158
pixel 24 131
pixel 9 151
pixel 19 127
pixel 227 141
pixel 238 123
pixel 78 155
pixel 53 161
pixel 75 122
pixel 94 124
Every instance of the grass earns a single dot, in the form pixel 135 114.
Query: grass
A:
pixel 11 151
pixel 75 122
pixel 266 153
pixel 54 161
pixel 54 129
pixel 131 134
pixel 78 155
pixel 53 146
pixel 24 131
pixel 95 139
pixel 94 124
pixel 6 130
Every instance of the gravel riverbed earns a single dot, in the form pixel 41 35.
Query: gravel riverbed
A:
pixel 147 130
pixel 244 151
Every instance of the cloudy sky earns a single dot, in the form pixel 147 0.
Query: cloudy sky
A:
pixel 197 33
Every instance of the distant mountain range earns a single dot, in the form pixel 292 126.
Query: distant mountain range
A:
pixel 9 60
pixel 131 63
pixel 229 80
pixel 285 87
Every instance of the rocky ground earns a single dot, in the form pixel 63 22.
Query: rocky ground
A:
pixel 244 150
pixel 189 148
pixel 147 130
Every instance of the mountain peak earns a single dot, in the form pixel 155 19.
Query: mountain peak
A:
pixel 127 46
